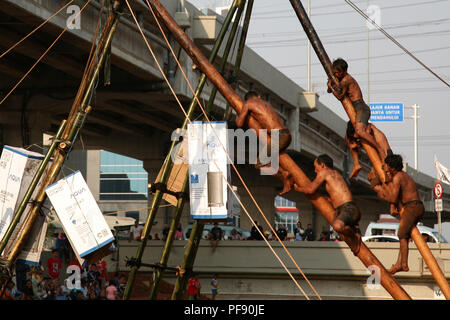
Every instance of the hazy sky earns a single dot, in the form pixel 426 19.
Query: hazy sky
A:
pixel 422 26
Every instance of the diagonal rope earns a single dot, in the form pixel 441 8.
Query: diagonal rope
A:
pixel 367 18
pixel 37 28
pixel 186 115
pixel 231 161
pixel 43 55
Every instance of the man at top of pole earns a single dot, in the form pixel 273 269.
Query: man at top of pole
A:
pixel 269 120
pixel 350 88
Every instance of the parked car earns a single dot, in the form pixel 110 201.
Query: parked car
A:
pixel 391 229
pixel 207 228
pixel 381 238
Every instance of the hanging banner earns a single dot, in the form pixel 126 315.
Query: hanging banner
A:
pixel 442 173
pixel 17 169
pixel 80 216
pixel 208 170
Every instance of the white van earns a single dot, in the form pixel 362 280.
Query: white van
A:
pixel 390 229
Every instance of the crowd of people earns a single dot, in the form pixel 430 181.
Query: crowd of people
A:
pixel 37 283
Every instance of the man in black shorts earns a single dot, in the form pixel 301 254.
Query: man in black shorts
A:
pixel 402 193
pixel 347 213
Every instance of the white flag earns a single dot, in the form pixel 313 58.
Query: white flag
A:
pixel 442 173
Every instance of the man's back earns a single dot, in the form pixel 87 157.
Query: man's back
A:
pixel 408 188
pixel 353 91
pixel 381 140
pixel 264 113
pixel 337 188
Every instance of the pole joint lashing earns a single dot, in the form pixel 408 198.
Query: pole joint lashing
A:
pixel 132 262
pixel 162 187
pixel 64 146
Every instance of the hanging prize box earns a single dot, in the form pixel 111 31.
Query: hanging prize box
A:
pixel 80 216
pixel 208 170
pixel 17 169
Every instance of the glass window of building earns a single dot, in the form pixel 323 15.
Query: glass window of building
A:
pixel 122 178
pixel 286 213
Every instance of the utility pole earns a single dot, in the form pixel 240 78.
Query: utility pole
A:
pixel 415 117
pixel 309 52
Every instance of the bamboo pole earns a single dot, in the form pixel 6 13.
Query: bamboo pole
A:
pixel 73 126
pixel 371 152
pixel 168 164
pixel 191 251
pixel 226 53
pixel 285 161
pixel 188 261
pixel 180 204
pixel 159 273
pixel 240 54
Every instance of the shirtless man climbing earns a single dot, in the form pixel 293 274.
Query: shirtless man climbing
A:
pixel 347 213
pixel 402 193
pixel 268 119
pixel 354 145
pixel 350 88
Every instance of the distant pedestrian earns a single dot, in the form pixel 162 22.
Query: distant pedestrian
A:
pixel 254 233
pixel 281 232
pixel 54 265
pixel 215 236
pixel 135 231
pixel 299 232
pixel 179 234
pixel 309 233
pixel 194 287
pixel 111 292
pixel 214 287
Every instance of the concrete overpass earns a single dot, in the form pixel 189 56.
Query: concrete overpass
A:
pixel 136 114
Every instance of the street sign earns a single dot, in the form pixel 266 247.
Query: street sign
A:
pixel 386 112
pixel 438 205
pixel 438 190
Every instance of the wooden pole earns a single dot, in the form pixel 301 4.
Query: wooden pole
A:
pixel 286 162
pixel 371 152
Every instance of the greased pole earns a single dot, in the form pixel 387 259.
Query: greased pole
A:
pixel 421 245
pixel 389 283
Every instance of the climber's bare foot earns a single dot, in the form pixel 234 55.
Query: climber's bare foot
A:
pixel 397 268
pixel 288 183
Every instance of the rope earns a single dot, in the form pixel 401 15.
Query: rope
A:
pixel 32 32
pixel 186 115
pixel 367 18
pixel 231 161
pixel 43 55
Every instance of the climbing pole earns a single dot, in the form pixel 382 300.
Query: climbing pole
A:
pixel 423 248
pixel 285 161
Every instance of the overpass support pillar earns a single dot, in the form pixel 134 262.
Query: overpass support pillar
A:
pixel 293 124
pixel 265 197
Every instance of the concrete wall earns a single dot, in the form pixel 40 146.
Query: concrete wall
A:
pixel 249 270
